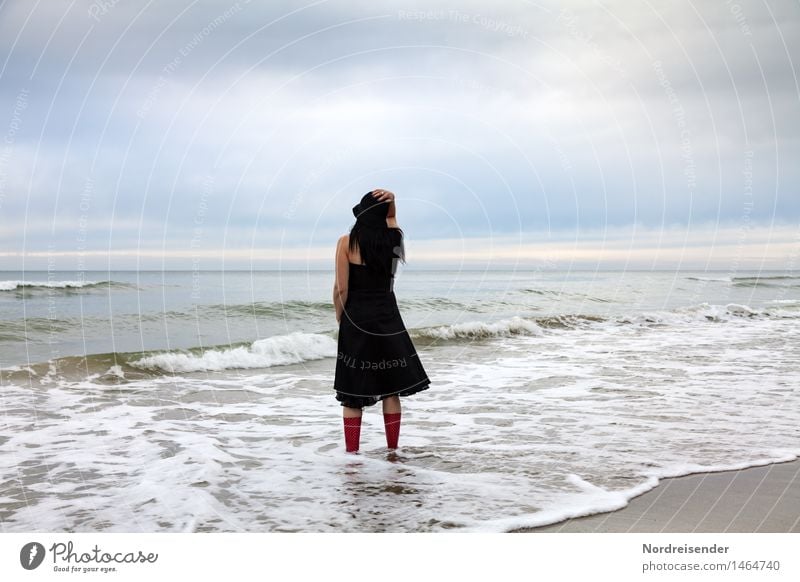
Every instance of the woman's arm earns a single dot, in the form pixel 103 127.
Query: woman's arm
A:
pixel 342 275
pixel 386 195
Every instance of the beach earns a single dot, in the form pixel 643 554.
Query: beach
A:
pixel 754 500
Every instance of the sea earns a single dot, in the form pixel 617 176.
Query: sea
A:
pixel 188 401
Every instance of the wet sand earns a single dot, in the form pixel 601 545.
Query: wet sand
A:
pixel 759 499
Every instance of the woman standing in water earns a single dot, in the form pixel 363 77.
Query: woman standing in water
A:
pixel 376 358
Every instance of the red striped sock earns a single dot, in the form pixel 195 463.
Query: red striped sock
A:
pixel 352 433
pixel 391 422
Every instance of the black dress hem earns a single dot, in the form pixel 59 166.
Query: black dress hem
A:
pixel 354 401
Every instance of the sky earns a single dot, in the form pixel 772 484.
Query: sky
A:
pixel 521 135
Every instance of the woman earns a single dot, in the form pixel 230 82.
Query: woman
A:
pixel 376 359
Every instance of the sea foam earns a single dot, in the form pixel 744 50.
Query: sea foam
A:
pixel 15 285
pixel 481 329
pixel 279 350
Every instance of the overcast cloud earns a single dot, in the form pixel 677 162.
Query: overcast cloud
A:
pixel 515 134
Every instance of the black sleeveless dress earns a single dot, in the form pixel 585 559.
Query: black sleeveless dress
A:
pixel 376 357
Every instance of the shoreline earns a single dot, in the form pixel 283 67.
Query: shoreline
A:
pixel 764 499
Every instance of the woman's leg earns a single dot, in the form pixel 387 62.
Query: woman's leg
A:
pixel 351 417
pixel 348 412
pixel 391 420
pixel 391 404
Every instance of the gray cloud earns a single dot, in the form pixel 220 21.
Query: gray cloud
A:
pixel 142 120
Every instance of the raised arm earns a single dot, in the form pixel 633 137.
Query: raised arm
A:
pixel 381 194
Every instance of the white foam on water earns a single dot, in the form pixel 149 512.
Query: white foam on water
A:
pixel 115 371
pixel 13 369
pixel 14 285
pixel 480 329
pixel 520 431
pixel 265 353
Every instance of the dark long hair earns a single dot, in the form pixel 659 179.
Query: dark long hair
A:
pixel 379 245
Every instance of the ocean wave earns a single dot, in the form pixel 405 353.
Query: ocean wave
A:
pixel 279 350
pixel 58 285
pixel 435 303
pixel 107 368
pixel 782 281
pixel 298 347
pixel 541 291
pixel 786 303
pixel 711 279
pixel 748 281
pixel 518 325
pixel 561 294
pixel 766 277
pixel 480 329
pixel 709 312
pixel 22 330
pixel 291 308
pixel 300 309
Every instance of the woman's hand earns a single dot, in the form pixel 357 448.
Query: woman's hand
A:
pixel 386 196
pixel 383 195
